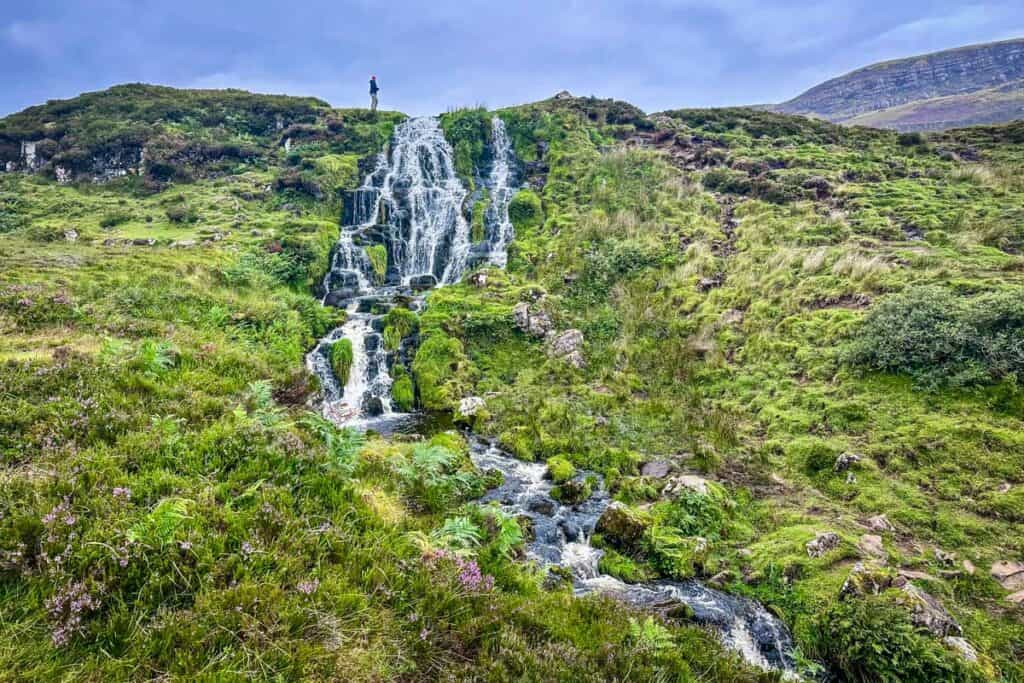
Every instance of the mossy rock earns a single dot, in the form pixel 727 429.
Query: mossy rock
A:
pixel 341 359
pixel 560 470
pixel 623 528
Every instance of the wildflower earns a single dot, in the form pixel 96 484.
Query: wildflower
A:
pixel 247 549
pixel 184 546
pixel 308 587
pixel 122 492
pixel 424 632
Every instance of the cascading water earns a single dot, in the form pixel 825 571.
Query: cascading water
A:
pixel 562 538
pixel 501 189
pixel 409 209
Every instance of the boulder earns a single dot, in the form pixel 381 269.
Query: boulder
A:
pixel 572 492
pixel 686 483
pixel 339 298
pixel 373 406
pixel 1010 575
pixel 535 324
pixel 470 406
pixel 962 647
pixel 880 523
pixel 568 346
pixel 823 543
pixel 871 545
pixel 621 527
pixel 658 469
pixel 845 462
pixel 1016 598
pixel 143 241
pixel 928 613
pixel 478 280
pixel 708 283
pixel 71 235
pixel 420 283
pixel 865 579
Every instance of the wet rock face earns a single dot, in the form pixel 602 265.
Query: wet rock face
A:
pixel 420 283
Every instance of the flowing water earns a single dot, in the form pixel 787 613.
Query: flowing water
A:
pixel 562 538
pixel 411 205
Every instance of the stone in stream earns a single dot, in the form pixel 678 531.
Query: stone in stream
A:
pixel 339 298
pixel 621 527
pixel 421 283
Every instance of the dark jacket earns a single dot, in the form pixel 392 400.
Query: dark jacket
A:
pixel 373 87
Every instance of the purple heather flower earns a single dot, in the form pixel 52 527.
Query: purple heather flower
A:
pixel 308 587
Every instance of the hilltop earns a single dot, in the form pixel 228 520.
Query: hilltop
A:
pixel 789 350
pixel 976 84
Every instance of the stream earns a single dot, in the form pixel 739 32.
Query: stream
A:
pixel 411 207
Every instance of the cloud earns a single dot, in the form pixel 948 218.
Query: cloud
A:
pixel 33 38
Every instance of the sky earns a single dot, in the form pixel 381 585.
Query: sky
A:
pixel 431 57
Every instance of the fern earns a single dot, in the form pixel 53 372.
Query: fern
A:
pixel 262 407
pixel 457 533
pixel 155 357
pixel 342 444
pixel 157 528
pixel 650 635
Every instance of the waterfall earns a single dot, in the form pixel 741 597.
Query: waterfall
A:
pixel 410 207
pixel 500 230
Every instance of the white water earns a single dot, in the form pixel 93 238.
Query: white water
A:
pixel 501 191
pixel 562 538
pixel 412 205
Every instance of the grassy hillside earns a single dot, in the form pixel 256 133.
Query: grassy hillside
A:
pixel 823 322
pixel 761 295
pixel 170 506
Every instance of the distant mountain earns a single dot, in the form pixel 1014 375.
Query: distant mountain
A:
pixel 954 88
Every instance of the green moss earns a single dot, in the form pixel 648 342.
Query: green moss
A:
pixel 399 323
pixel 525 211
pixel 403 392
pixel 560 470
pixel 440 369
pixel 378 255
pixel 341 359
pixel 479 216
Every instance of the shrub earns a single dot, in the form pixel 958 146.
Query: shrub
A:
pixel 872 639
pixel 560 470
pixel 439 369
pixel 939 338
pixel 181 213
pixel 525 210
pixel 399 323
pixel 341 359
pixel 115 218
pixel 403 392
pixel 914 139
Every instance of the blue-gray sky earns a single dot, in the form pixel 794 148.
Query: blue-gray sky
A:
pixel 428 57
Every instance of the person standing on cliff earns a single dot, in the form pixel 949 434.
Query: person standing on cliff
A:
pixel 373 93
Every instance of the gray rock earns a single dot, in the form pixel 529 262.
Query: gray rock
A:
pixel 928 613
pixel 569 346
pixel 470 406
pixel 880 523
pixel 71 235
pixel 659 469
pixel 965 649
pixel 685 483
pixel 823 543
pixel 421 283
pixel 621 527
pixel 846 461
pixel 1010 575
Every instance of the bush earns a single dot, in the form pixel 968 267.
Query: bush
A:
pixel 403 393
pixel 399 323
pixel 560 470
pixel 181 213
pixel 939 338
pixel 872 639
pixel 341 359
pixel 911 139
pixel 115 218
pixel 525 210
